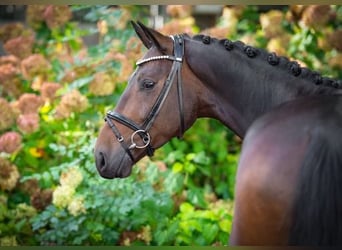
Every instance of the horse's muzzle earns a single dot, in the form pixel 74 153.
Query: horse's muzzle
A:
pixel 109 168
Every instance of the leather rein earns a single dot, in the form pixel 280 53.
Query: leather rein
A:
pixel 143 130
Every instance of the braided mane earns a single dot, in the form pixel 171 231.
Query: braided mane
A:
pixel 281 62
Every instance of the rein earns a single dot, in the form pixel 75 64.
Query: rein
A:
pixel 143 130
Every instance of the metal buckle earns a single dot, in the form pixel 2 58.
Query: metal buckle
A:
pixel 146 142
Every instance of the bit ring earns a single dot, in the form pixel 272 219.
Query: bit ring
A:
pixel 146 139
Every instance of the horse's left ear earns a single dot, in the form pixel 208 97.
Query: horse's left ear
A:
pixel 142 34
pixel 151 37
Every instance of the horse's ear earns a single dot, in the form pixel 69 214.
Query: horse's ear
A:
pixel 151 37
pixel 141 34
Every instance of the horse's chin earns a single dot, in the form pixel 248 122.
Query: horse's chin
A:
pixel 118 167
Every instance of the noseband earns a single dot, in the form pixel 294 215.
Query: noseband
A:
pixel 142 130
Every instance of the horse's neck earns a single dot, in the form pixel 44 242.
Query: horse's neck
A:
pixel 240 89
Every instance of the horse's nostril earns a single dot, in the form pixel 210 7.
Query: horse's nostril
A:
pixel 100 160
pixel 103 161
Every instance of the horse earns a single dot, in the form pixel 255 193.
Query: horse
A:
pixel 288 187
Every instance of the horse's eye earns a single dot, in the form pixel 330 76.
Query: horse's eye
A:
pixel 148 84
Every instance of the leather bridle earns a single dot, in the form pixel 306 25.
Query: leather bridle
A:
pixel 143 130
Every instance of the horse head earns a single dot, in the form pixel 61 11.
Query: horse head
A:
pixel 158 104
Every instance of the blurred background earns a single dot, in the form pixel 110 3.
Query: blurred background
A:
pixel 63 67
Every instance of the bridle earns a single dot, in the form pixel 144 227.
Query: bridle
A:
pixel 143 130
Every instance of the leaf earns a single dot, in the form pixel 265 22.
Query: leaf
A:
pixel 177 167
pixel 196 197
pixel 201 158
pixel 186 208
pixel 225 225
pixel 173 183
pixel 210 232
pixel 77 84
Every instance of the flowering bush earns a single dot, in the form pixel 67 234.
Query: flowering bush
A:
pixel 54 91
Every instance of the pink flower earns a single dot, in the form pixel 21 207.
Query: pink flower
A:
pixel 10 82
pixel 10 59
pixel 56 15
pixel 48 90
pixel 28 123
pixel 29 103
pixel 20 46
pixel 10 142
pixel 34 65
pixel 71 102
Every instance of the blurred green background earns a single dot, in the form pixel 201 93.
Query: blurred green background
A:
pixel 63 67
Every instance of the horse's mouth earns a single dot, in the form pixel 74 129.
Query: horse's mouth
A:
pixel 112 168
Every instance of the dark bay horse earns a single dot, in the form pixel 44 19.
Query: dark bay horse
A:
pixel 289 180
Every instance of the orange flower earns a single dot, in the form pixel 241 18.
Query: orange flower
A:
pixel 37 152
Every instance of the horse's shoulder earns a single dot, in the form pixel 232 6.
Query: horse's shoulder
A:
pixel 281 137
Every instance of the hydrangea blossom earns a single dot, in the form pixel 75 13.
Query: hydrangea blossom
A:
pixel 7 115
pixel 34 65
pixel 9 175
pixel 73 101
pixel 73 177
pixel 28 123
pixel 62 196
pixel 10 142
pixel 48 90
pixel 102 84
pixel 76 206
pixel 29 103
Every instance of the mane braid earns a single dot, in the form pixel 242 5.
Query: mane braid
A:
pixel 282 62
